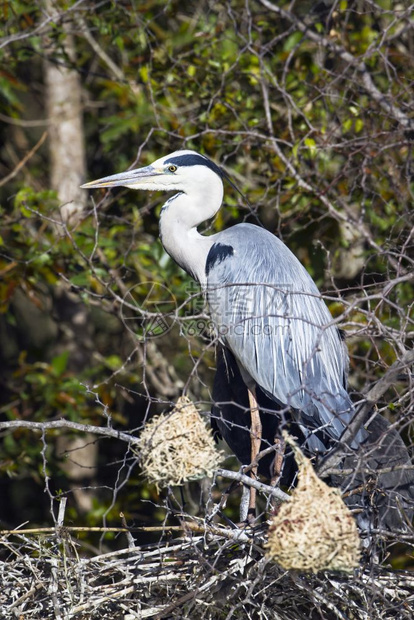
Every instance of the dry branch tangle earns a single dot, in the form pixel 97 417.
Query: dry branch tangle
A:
pixel 204 576
pixel 362 70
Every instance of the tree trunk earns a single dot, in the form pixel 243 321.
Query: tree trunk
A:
pixel 63 95
pixel 66 137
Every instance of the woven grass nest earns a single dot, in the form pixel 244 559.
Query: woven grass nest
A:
pixel 177 447
pixel 315 531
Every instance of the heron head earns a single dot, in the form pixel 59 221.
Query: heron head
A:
pixel 184 171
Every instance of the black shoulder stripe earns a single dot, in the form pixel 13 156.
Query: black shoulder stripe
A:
pixel 195 160
pixel 342 334
pixel 217 254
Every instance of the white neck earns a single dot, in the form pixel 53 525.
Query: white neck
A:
pixel 179 219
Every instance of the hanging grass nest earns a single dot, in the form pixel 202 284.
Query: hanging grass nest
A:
pixel 315 531
pixel 177 447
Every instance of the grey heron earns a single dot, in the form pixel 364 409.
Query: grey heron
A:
pixel 265 306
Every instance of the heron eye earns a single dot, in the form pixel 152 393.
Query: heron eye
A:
pixel 172 168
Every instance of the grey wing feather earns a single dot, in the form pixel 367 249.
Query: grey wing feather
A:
pixel 269 312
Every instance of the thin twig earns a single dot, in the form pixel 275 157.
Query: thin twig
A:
pixel 25 159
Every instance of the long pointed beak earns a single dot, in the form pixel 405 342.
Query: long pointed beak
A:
pixel 134 179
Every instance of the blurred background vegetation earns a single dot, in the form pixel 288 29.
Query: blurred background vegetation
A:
pixel 309 108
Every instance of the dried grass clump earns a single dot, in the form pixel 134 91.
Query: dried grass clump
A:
pixel 177 447
pixel 315 531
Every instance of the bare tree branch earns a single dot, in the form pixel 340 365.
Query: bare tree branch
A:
pixel 74 426
pixel 25 159
pixel 114 69
pixel 250 482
